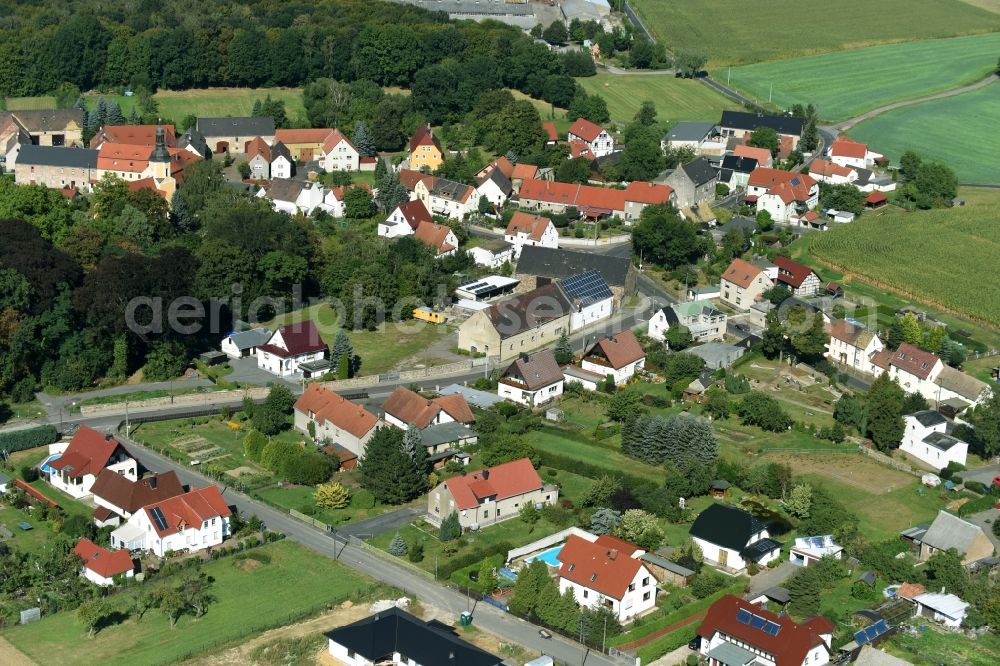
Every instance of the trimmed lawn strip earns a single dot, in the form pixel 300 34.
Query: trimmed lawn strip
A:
pixel 934 647
pixel 675 99
pixel 296 583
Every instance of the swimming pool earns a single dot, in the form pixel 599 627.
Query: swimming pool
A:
pixel 44 467
pixel 550 556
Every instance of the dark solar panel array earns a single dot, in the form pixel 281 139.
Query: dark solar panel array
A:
pixel 158 518
pixel 587 287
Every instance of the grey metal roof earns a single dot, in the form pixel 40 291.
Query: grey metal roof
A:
pixel 715 353
pixel 252 338
pixel 241 127
pixel 740 164
pixel 475 397
pixel 4 478
pixel 751 121
pixel 58 156
pixel 444 433
pixel 948 531
pixel 777 593
pixel 916 532
pixel 689 130
pixel 928 418
pixel 700 171
pixel 664 563
pixel 730 654
pixel 194 139
pixel 941 441
pixel 559 263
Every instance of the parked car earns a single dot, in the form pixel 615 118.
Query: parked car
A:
pixel 695 643
pixel 544 634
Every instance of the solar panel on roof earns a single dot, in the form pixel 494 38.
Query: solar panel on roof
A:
pixel 871 632
pixel 757 622
pixel 772 628
pixel 881 626
pixel 743 616
pixel 588 287
pixel 860 638
pixel 161 522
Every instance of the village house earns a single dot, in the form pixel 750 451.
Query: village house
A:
pixel 825 171
pixel 619 355
pixel 55 167
pixel 701 318
pixel 333 198
pixel 291 347
pixel 810 550
pixel 446 197
pixel 849 153
pixel 639 194
pixel 404 220
pixel 241 344
pixel 735 171
pixel 590 298
pixel 438 237
pixel 589 381
pixel 193 521
pixel 926 438
pixel 100 565
pixel 339 153
pixel 259 159
pixel 853 345
pixel 742 284
pixel 524 229
pixel 532 379
pixel 194 142
pixel 304 144
pixel 538 266
pixel 693 183
pixel 521 173
pixel 495 187
pixel 596 138
pixel 282 163
pixel 294 196
pixel 489 496
pixel 492 253
pixel 160 168
pixel 915 369
pixel 522 323
pixel 394 637
pixel 761 155
pixel 736 632
pixel 550 130
pixel 426 153
pixel 948 609
pixel 607 573
pixel 797 278
pixel 687 134
pixel 74 469
pixel 230 135
pixel 785 195
pixel 697 391
pixel 949 531
pixel 134 135
pixel 590 201
pixel 404 408
pixel 731 538
pixel 117 497
pixel 741 124
pixel 52 127
pixel 335 419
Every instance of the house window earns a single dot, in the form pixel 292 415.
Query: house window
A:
pixel 645 581
pixel 586 594
pixel 631 587
pixel 645 597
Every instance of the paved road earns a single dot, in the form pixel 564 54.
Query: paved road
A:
pixel 485 616
pixel 637 22
pixel 387 522
pixel 771 577
pixel 54 401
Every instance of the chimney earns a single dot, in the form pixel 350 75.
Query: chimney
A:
pixel 612 554
pixel 486 474
pixel 108 437
pixel 524 356
pixel 152 482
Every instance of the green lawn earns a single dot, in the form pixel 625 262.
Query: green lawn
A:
pixel 732 32
pixel 580 447
pixel 142 395
pixel 295 583
pixel 379 350
pixel 675 99
pixel 27 410
pixel 300 498
pixel 935 647
pixel 916 255
pixel 891 73
pixel 958 131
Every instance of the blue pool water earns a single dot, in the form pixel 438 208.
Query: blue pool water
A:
pixel 45 464
pixel 548 556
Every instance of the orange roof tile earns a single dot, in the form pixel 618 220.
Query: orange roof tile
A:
pixel 762 155
pixel 532 225
pixel 435 235
pixel 550 129
pixel 598 565
pixel 741 273
pixel 334 138
pixel 309 135
pixel 522 171
pixel 189 509
pixel 325 405
pixel 585 129
pixel 410 407
pixel 620 349
pixel 648 193
pixel 103 562
pixel 499 482
pixel 845 147
pixel 257 146
pixel 828 168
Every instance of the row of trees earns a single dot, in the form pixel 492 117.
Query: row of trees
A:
pixel 394 467
pixel 682 440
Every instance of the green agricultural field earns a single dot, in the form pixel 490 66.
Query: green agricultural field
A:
pixel 675 99
pixel 847 83
pixel 253 595
pixel 175 104
pixel 731 32
pixel 921 255
pixel 959 131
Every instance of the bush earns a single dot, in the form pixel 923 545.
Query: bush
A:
pixel 363 499
pixel 21 440
pixel 29 473
pixel 707 583
pixel 416 553
pixel 976 487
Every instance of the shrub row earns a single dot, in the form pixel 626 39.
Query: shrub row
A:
pixel 29 438
pixel 566 463
pixel 446 569
pixel 655 623
pixel 978 504
pixel 668 643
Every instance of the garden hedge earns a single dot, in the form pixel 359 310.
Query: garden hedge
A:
pixel 22 440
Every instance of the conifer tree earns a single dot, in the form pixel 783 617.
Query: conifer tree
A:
pixel 564 350
pixel 884 411
pixel 397 546
pixel 114 114
pixel 363 140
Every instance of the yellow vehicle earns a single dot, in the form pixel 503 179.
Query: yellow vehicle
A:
pixel 429 315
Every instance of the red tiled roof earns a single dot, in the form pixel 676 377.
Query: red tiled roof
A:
pixel 424 137
pixel 335 137
pixel 791 272
pixel 844 147
pixel 502 163
pixel 299 338
pixel 326 405
pixel 532 225
pixel 910 590
pixel 410 407
pixel 434 235
pixel 189 509
pixel 828 168
pixel 88 453
pixel 415 213
pixel 338 192
pixel 409 178
pixel 843 329
pixel 257 146
pixel 762 155
pixel 599 565
pixel 585 129
pixel 881 358
pixel 741 273
pixel 500 482
pixel 550 128
pixel 579 149
pixel 648 193
pixel 133 495
pixel 549 191
pixel 788 185
pixel 522 171
pixel 35 493
pixel 308 135
pixel 103 562
pixel 621 349
pixel 102 513
pixel 136 135
pixel 789 647
pixel 876 197
pixel 914 360
pixel 603 198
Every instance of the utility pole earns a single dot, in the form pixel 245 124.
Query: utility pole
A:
pixel 769 91
pixel 605 639
pixel 126 418
pixel 728 74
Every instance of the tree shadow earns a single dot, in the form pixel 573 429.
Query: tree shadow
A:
pixel 110 620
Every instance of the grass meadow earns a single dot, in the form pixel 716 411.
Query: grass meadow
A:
pixel 959 131
pixel 731 32
pixel 675 99
pixel 286 583
pixel 847 83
